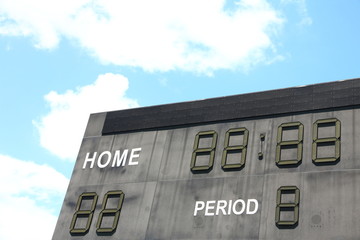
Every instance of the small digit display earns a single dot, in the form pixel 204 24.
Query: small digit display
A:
pixel 208 151
pixel 328 141
pixel 291 144
pixel 287 212
pixel 110 212
pixel 80 213
pixel 85 209
pixel 237 149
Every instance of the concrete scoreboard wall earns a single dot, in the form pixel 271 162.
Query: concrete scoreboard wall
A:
pixel 282 164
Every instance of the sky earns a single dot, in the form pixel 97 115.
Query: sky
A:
pixel 62 60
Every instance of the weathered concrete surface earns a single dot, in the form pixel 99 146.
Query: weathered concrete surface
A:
pixel 161 191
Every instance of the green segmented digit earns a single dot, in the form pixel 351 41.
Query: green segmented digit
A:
pixel 235 149
pixel 287 207
pixel 110 212
pixel 327 141
pixel 80 213
pixel 295 143
pixel 205 151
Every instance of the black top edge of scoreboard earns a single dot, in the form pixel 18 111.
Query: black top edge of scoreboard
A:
pixel 317 97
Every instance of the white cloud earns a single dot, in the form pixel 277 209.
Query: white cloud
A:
pixel 158 35
pixel 28 193
pixel 62 129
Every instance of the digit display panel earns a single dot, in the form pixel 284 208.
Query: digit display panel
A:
pixel 281 164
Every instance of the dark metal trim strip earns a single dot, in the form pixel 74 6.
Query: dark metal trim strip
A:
pixel 324 96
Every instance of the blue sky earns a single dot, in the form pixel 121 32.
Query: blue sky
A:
pixel 62 60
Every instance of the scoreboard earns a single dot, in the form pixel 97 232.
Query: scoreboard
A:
pixel 280 164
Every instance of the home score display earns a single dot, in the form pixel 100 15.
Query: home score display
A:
pixel 280 164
